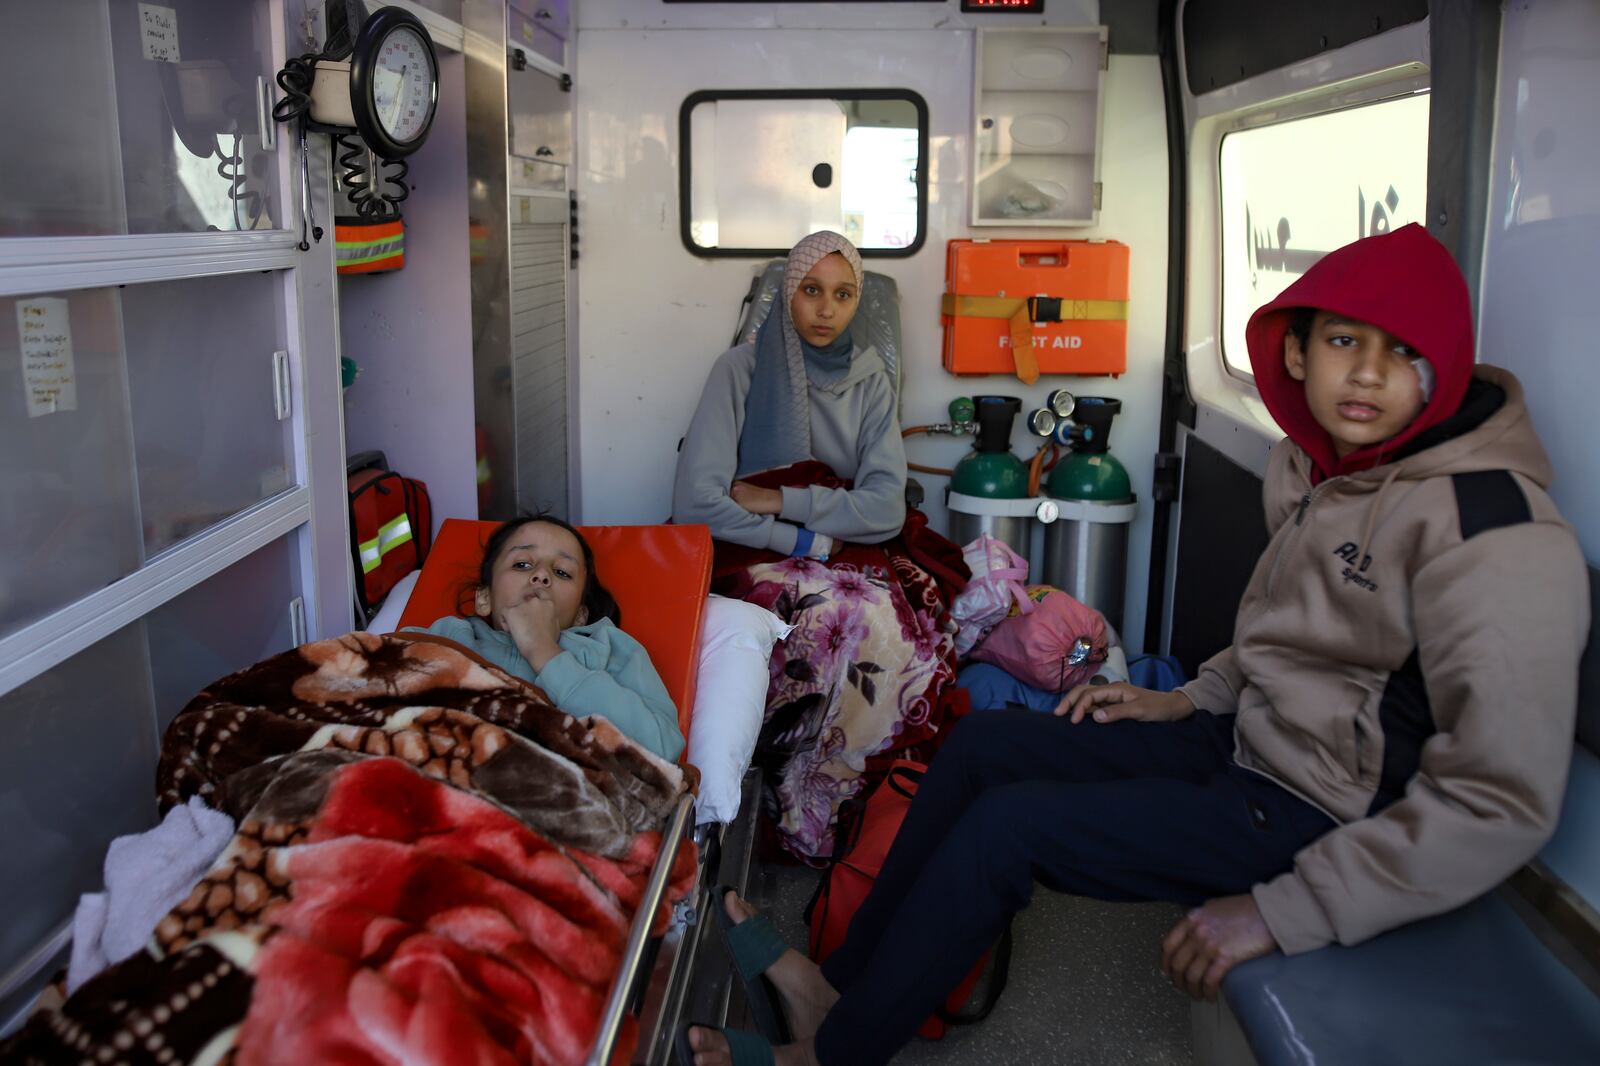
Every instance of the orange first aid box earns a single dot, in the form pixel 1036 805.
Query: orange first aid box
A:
pixel 1036 307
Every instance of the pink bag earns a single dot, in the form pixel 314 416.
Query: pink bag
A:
pixel 996 589
pixel 1059 644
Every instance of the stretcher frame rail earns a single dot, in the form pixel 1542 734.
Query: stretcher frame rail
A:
pixel 633 953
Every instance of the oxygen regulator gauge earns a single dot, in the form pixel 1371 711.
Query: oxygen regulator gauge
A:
pixel 388 90
pixel 1048 511
pixel 1062 403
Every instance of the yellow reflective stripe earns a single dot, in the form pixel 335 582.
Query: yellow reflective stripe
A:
pixel 370 555
pixel 389 251
pixel 1009 306
pixel 393 534
pixel 483 470
pixel 345 243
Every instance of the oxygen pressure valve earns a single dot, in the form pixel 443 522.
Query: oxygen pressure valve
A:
pixel 963 412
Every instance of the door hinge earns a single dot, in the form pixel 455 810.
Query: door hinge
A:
pixel 297 621
pixel 1168 477
pixel 281 402
pixel 566 83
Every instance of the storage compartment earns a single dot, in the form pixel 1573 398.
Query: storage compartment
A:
pixel 144 415
pixel 540 113
pixel 124 125
pixel 988 283
pixel 1037 104
pixel 539 26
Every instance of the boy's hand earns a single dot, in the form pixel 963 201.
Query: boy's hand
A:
pixel 1211 940
pixel 756 500
pixel 1114 702
pixel 535 629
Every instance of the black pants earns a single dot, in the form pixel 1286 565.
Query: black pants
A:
pixel 1124 811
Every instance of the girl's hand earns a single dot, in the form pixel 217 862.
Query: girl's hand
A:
pixel 535 629
pixel 756 500
pixel 1114 702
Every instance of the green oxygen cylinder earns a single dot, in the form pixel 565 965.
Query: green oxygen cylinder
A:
pixel 1090 471
pixel 1086 546
pixel 990 471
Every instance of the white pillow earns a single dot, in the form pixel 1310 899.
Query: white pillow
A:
pixel 736 640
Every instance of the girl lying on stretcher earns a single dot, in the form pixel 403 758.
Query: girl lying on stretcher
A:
pixel 544 616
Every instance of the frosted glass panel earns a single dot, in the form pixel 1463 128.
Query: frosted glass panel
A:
pixel 61 173
pixel 139 118
pixel 69 515
pixel 206 434
pixel 231 620
pixel 77 769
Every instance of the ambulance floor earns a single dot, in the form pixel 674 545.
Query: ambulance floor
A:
pixel 1084 987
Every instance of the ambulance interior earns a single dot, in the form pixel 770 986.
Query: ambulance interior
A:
pixel 206 335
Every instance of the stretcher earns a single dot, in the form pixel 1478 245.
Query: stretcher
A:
pixel 659 576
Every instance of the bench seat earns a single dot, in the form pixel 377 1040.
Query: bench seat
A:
pixel 1472 986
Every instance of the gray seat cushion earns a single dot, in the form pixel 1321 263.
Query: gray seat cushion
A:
pixel 1471 986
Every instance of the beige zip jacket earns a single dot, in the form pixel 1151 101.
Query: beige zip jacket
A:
pixel 1406 658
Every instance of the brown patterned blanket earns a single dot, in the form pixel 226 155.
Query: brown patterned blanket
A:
pixel 432 864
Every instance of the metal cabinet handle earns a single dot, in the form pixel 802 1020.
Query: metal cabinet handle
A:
pixel 542 13
pixel 543 150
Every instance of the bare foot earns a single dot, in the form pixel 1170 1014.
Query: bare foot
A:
pixel 807 996
pixel 711 1049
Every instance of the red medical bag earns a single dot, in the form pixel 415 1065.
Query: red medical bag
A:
pixel 858 856
pixel 1032 307
pixel 391 521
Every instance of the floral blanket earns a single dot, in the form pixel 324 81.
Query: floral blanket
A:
pixel 867 674
pixel 432 864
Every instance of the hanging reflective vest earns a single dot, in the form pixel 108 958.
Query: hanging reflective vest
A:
pixel 362 247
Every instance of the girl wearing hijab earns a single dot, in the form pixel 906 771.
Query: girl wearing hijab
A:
pixel 794 460
pixel 803 390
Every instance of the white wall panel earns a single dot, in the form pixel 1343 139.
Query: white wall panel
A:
pixel 653 317
pixel 411 331
pixel 945 15
pixel 1537 308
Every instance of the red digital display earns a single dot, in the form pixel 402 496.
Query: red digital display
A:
pixel 1020 7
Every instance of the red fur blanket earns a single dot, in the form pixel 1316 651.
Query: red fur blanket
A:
pixel 432 864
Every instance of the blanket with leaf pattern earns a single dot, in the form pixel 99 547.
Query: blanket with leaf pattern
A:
pixel 432 864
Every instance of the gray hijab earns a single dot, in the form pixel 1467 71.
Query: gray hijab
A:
pixel 777 411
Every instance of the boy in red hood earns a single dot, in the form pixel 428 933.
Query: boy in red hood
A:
pixel 1387 737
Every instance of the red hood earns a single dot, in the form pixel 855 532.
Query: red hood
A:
pixel 1404 282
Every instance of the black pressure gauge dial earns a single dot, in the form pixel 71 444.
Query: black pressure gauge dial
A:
pixel 394 82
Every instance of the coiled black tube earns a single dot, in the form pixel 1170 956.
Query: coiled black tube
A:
pixel 376 197
pixel 232 168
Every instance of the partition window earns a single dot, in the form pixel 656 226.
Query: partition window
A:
pixel 760 169
pixel 1294 191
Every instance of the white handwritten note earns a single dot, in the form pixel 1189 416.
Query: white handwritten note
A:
pixel 47 370
pixel 158 28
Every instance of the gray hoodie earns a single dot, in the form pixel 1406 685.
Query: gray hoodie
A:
pixel 854 430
